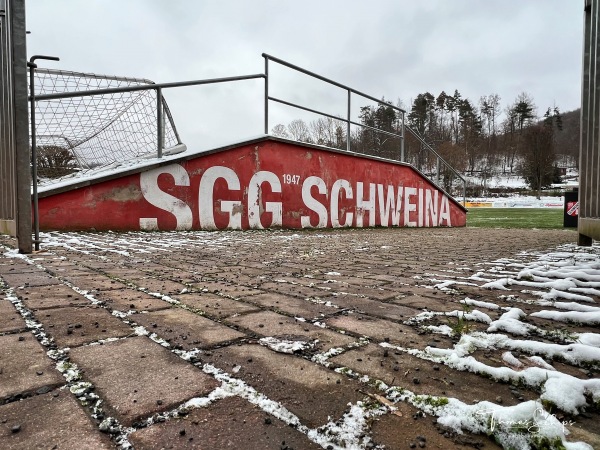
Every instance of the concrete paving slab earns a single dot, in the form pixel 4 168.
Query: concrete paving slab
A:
pixel 268 323
pixel 13 266
pixel 59 266
pixel 27 279
pixel 186 330
pixel 297 290
pixel 401 369
pixel 10 319
pixel 130 299
pixel 405 291
pixel 162 286
pixel 215 305
pixel 231 423
pixel 399 432
pixel 138 377
pixel 225 289
pixel 308 390
pixel 419 303
pixel 44 297
pixel 353 279
pixel 24 367
pixel 294 306
pixel 96 282
pixel 382 330
pixel 373 307
pixel 53 420
pixel 71 326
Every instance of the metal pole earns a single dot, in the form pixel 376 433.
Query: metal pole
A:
pixel 159 123
pixel 402 140
pixel 266 94
pixel 437 174
pixel 34 171
pixel 348 122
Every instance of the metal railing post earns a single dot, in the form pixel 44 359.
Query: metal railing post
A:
pixel 266 94
pixel 348 121
pixel 402 159
pixel 34 169
pixel 437 170
pixel 159 123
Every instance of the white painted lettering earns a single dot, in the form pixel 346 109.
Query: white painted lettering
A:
pixel 335 197
pixel 431 208
pixel 445 211
pixel 388 205
pixel 164 201
pixel 363 205
pixel 255 206
pixel 206 198
pixel 313 204
pixel 420 209
pixel 409 207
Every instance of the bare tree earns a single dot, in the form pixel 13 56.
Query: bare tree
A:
pixel 538 159
pixel 280 130
pixel 318 132
pixel 299 131
pixel 54 161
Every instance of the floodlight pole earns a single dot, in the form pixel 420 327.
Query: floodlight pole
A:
pixel 36 218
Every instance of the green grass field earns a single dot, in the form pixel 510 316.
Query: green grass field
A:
pixel 548 218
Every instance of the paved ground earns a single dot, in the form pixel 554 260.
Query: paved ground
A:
pixel 266 340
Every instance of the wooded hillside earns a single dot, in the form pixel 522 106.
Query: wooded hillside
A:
pixel 474 137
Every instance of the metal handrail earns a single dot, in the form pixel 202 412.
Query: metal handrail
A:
pixel 327 80
pixel 432 150
pixel 349 91
pixel 153 86
pixel 440 159
pixel 348 121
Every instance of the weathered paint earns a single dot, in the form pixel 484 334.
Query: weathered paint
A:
pixel 261 185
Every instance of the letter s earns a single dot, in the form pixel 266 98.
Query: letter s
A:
pixel 312 203
pixel 164 201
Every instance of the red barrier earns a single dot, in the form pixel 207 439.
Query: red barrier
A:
pixel 262 184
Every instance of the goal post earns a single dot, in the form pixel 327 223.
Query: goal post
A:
pixel 82 132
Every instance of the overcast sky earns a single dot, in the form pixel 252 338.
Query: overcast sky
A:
pixel 386 48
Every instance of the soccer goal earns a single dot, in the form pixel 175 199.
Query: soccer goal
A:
pixel 85 132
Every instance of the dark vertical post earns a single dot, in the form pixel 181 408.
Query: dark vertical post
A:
pixel 402 140
pixel 266 94
pixel 588 147
pixel 348 121
pixel 21 124
pixel 34 171
pixel 159 123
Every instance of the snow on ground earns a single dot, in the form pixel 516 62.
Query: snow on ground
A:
pixel 528 351
pixel 519 201
pixel 569 273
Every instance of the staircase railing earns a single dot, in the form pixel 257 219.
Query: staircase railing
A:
pixel 443 176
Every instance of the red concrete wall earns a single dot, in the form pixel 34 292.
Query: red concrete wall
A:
pixel 260 185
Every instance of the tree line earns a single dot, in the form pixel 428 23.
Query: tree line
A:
pixel 481 138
